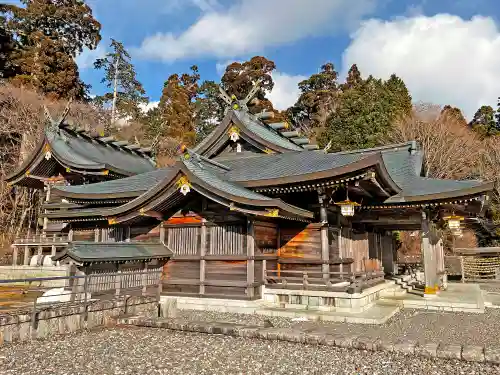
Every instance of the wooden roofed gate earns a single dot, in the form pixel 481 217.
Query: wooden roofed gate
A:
pixel 255 206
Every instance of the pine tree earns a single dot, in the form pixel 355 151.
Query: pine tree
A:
pixel 209 109
pixel 353 78
pixel 119 72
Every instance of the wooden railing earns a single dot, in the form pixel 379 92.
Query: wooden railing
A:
pixel 41 240
pixel 316 280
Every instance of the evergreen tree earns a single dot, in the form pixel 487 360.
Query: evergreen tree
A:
pixel 177 106
pixel 365 112
pixel 209 109
pixel 129 91
pixel 484 121
pixel 238 80
pixel 50 34
pixel 8 49
pixel 317 100
pixel 353 78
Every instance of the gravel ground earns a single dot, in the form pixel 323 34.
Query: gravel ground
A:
pixel 158 351
pixel 420 325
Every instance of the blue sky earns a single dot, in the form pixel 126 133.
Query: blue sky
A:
pixel 447 51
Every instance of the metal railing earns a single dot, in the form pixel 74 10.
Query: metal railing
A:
pixel 32 295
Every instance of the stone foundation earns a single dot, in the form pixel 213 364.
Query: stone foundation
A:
pixel 59 319
pixel 322 300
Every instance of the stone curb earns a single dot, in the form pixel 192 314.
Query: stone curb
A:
pixel 467 353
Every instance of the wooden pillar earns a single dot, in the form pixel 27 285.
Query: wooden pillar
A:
pixel 144 278
pixel 429 258
pixel 127 234
pixel 14 255
pixel 70 235
pixel 325 251
pixel 27 252
pixel 203 252
pixel 96 235
pixel 118 280
pixel 251 257
pixel 47 198
pixel 162 233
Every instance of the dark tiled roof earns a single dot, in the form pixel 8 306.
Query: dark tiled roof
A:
pixel 257 127
pixel 265 167
pixel 88 153
pixel 404 168
pixel 211 177
pixel 113 251
pixel 137 183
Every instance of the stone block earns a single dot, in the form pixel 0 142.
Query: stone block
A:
pixel 168 308
pixel 473 353
pixel 363 343
pixel 405 347
pixel 492 354
pixel 449 351
pixel 346 341
pixel 386 346
pixel 315 338
pixel 427 350
pixel 249 332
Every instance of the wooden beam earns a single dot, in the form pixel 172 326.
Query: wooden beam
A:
pixel 325 251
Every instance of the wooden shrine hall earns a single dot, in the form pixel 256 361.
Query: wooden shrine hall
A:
pixel 255 207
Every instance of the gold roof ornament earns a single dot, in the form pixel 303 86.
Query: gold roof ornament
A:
pixel 272 213
pixel 111 221
pixel 234 134
pixel 184 185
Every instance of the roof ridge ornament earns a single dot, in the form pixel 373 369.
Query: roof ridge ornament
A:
pixel 55 125
pixel 234 103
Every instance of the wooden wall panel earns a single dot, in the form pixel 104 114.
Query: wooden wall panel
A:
pixel 183 240
pixel 360 250
pixel 81 235
pixel 226 270
pixel 226 239
pixel 301 242
pixel 266 238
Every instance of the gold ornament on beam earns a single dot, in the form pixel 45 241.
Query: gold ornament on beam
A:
pixel 234 134
pixel 273 213
pixel 184 185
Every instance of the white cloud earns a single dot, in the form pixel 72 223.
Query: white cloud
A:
pixel 251 25
pixel 285 91
pixel 442 59
pixel 86 59
pixel 146 107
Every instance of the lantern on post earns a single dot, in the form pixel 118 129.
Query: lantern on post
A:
pixel 347 206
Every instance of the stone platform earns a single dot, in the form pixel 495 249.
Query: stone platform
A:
pixel 457 297
pixel 314 305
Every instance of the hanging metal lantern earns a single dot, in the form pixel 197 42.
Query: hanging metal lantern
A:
pixel 347 206
pixel 454 221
